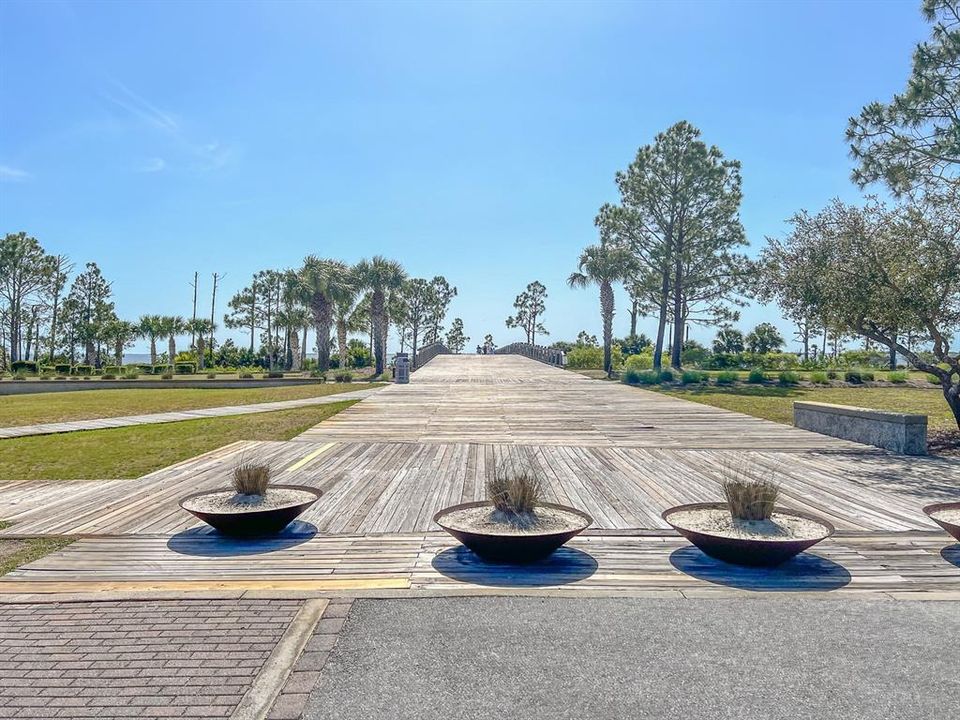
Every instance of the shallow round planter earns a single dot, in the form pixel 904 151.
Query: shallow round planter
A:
pixel 757 552
pixel 251 523
pixel 512 548
pixel 951 527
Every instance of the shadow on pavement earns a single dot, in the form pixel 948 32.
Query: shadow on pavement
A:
pixel 206 542
pixel 951 554
pixel 805 572
pixel 564 566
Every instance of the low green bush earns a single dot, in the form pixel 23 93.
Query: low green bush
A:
pixel 211 376
pixel 20 375
pixel 649 377
pixel 185 368
pixel 62 368
pixel 832 375
pixel 161 369
pixel 321 376
pixel 898 377
pixel 274 374
pixel 630 377
pixel 246 375
pixel 145 368
pixel 643 361
pixel 727 377
pixel 27 366
pixel 666 376
pixel 60 377
pixel 111 369
pixel 167 376
pixel 819 378
pixel 108 376
pixel 693 377
pixel 788 377
pixel 83 369
pixel 857 376
pixel 343 377
pixel 132 375
pixel 933 379
pixel 47 369
pixel 756 376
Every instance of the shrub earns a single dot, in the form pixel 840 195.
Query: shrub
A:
pixel 62 368
pixel 167 376
pixel 643 361
pixel 587 357
pixel 274 374
pixel 211 376
pixel 27 366
pixel 321 376
pixel 108 376
pixel 246 375
pixel 666 376
pixel 185 368
pixel 132 374
pixel 818 377
pixel 82 369
pixel 343 377
pixel 161 369
pixel 630 377
pixel 514 495
pixel 898 377
pixel 832 374
pixel 789 377
pixel 756 376
pixel 111 369
pixel 857 376
pixel 60 377
pixel 20 375
pixel 145 368
pixel 933 379
pixel 251 479
pixel 649 377
pixel 727 377
pixel 693 377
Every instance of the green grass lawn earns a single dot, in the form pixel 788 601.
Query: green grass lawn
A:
pixel 14 553
pixel 776 403
pixel 89 404
pixel 133 451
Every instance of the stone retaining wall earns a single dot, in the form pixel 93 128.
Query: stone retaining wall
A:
pixel 901 433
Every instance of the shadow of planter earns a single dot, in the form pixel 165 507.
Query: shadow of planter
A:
pixel 207 542
pixel 804 573
pixel 566 565
pixel 951 554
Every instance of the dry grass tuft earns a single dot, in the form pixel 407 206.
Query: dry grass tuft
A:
pixel 251 479
pixel 749 497
pixel 514 493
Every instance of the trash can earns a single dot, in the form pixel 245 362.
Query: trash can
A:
pixel 401 372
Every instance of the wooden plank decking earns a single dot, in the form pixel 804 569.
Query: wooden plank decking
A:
pixel 387 464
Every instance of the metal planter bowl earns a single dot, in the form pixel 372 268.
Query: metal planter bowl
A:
pixel 512 548
pixel 253 523
pixel 951 528
pixel 752 552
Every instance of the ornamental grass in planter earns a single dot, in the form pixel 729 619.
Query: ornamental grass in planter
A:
pixel 252 506
pixel 513 525
pixel 749 528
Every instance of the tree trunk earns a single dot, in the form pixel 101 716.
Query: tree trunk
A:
pixel 951 393
pixel 153 351
pixel 171 351
pixel 322 320
pixel 201 352
pixel 378 313
pixel 677 347
pixel 296 362
pixel 303 346
pixel 893 355
pixel 634 310
pixel 89 353
pixel 118 350
pixel 606 310
pixel 342 341
pixel 662 320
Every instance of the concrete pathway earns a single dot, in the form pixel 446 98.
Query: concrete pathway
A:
pixel 640 658
pixel 178 416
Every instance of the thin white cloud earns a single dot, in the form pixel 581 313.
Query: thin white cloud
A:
pixel 12 174
pixel 153 165
pixel 124 98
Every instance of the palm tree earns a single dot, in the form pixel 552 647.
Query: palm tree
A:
pixel 199 328
pixel 173 325
pixel 347 320
pixel 121 333
pixel 151 327
pixel 322 283
pixel 380 276
pixel 603 265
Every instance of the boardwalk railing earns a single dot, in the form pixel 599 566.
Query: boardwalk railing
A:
pixel 428 353
pixel 548 355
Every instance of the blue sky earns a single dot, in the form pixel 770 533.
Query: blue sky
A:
pixel 473 140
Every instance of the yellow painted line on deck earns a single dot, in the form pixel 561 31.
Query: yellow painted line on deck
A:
pixel 81 586
pixel 300 463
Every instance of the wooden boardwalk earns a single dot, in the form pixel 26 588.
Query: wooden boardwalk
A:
pixel 388 463
pixel 894 566
pixel 178 415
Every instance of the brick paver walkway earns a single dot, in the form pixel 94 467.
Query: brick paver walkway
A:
pixel 152 659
